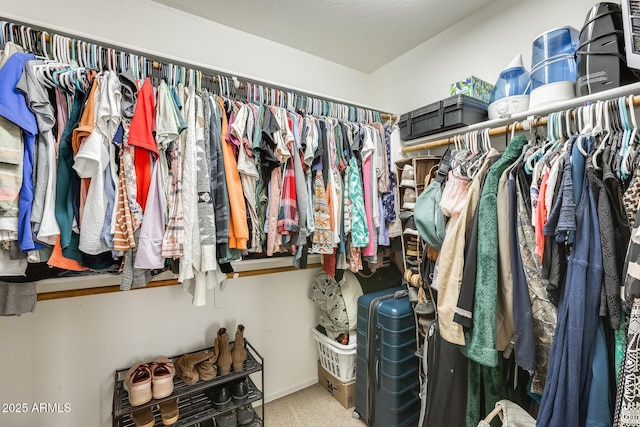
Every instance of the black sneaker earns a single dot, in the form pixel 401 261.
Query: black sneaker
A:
pixel 207 423
pixel 221 397
pixel 228 419
pixel 240 391
pixel 245 414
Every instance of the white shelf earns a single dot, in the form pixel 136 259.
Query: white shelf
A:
pixel 544 110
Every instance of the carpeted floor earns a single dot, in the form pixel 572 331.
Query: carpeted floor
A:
pixel 309 407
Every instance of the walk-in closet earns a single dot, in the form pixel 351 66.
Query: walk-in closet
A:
pixel 296 213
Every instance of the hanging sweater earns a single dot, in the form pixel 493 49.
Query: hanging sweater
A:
pixel 481 340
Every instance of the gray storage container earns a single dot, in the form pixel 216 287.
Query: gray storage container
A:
pixel 450 113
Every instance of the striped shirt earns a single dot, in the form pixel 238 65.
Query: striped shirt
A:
pixel 123 235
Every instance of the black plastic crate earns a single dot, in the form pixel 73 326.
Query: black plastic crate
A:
pixel 423 121
pixel 450 113
pixel 463 110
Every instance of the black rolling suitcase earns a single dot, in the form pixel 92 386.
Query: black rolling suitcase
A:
pixel 387 377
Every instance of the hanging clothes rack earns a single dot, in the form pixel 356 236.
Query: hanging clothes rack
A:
pixel 515 126
pixel 102 56
pixel 53 295
pixel 111 56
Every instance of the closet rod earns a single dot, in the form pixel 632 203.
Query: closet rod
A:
pixel 212 72
pixel 46 296
pixel 501 130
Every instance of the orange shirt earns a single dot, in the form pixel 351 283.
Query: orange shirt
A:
pixel 238 227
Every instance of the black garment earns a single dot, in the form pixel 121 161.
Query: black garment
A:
pixel 610 302
pixel 468 286
pixel 523 336
pixel 358 138
pixel 621 225
pixel 268 158
pixel 520 378
pixel 446 382
pixel 218 184
pixel 35 272
pixel 554 262
pixel 347 151
pixel 318 155
pixel 101 261
pixel 324 143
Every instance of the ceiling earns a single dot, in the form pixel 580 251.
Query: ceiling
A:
pixel 361 34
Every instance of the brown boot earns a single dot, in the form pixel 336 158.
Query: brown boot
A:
pixel 239 352
pixel 224 355
pixel 207 369
pixel 143 417
pixel 169 412
pixel 186 366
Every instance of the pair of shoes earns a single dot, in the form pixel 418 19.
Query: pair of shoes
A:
pixel 168 411
pixel 197 366
pixel 227 419
pixel 245 414
pixel 145 381
pixel 221 396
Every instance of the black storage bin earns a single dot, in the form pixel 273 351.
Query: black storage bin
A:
pixel 463 110
pixel 449 113
pixel 423 121
pixel 405 126
pixel 426 120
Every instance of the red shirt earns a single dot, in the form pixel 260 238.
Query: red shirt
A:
pixel 141 136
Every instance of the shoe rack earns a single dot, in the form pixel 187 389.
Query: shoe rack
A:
pixel 194 402
pixel 422 166
pixel 413 246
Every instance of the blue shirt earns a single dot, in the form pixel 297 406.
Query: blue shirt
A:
pixel 13 107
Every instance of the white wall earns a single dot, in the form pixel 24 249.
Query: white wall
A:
pixel 150 26
pixel 67 351
pixel 481 45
